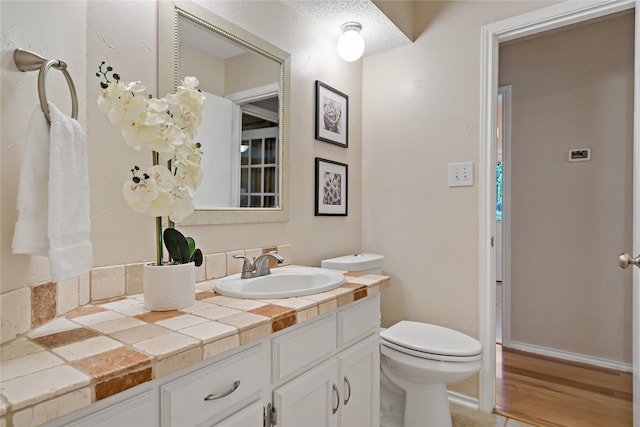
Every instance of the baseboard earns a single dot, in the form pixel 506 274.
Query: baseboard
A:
pixel 463 400
pixel 574 357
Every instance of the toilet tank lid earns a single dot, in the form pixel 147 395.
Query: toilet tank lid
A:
pixel 356 262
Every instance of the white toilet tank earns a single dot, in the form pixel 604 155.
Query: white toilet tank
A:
pixel 361 263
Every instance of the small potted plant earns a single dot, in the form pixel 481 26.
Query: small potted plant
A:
pixel 172 286
pixel 166 127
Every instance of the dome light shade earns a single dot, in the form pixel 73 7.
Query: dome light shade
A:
pixel 351 44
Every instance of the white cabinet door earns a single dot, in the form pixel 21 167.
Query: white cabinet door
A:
pixel 249 416
pixel 359 379
pixel 310 400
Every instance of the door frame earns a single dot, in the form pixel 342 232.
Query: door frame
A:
pixel 548 18
pixel 505 91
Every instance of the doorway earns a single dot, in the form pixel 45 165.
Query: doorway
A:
pixel 549 18
pixel 568 218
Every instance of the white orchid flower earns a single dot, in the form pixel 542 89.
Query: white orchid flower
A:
pixel 182 204
pixel 166 126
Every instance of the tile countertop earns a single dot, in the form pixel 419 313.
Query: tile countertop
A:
pixel 102 349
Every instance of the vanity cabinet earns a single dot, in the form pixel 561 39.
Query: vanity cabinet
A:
pixel 343 388
pixel 342 391
pixel 322 372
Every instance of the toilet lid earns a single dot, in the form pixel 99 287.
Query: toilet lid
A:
pixel 432 339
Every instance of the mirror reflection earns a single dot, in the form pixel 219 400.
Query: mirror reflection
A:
pixel 240 127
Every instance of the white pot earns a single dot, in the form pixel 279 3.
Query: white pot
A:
pixel 169 287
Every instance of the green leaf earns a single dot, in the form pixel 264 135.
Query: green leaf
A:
pixel 177 245
pixel 197 257
pixel 192 247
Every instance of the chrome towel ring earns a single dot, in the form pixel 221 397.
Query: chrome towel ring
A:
pixel 29 61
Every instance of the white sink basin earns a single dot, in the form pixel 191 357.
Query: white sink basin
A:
pixel 281 283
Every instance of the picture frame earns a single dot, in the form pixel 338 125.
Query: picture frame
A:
pixel 331 196
pixel 332 115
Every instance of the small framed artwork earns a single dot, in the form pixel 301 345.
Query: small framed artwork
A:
pixel 332 115
pixel 331 187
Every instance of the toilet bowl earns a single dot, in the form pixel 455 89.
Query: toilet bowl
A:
pixel 417 360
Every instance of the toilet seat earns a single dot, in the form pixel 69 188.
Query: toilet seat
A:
pixel 431 342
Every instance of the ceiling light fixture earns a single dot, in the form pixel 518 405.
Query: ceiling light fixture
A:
pixel 350 44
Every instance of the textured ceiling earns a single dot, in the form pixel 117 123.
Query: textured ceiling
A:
pixel 378 32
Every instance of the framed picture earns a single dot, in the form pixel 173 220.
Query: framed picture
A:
pixel 331 187
pixel 332 115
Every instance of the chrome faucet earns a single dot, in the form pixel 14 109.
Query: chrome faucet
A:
pixel 260 265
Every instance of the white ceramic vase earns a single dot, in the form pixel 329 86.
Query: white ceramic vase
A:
pixel 169 287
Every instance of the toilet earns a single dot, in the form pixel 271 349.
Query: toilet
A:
pixel 417 361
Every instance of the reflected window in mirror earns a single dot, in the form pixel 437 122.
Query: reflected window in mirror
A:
pixel 259 166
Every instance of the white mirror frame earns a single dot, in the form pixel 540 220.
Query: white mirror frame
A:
pixel 168 80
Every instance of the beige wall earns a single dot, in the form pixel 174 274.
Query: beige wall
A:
pixel 421 110
pixel 248 71
pixel 572 89
pixel 125 35
pixel 209 69
pixel 34 26
pixel 222 77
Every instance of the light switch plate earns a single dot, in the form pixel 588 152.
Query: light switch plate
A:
pixel 461 174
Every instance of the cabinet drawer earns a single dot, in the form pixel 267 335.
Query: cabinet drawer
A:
pixel 208 392
pixel 297 350
pixel 136 411
pixel 359 321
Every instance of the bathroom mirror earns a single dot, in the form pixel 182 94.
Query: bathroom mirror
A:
pixel 245 120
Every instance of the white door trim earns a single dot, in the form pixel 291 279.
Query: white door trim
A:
pixel 505 91
pixel 555 16
pixel 636 222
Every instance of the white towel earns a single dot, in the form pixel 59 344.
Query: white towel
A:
pixel 30 236
pixel 65 188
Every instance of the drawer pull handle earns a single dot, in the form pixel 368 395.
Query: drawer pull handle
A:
pixel 214 396
pixel 346 399
pixel 335 390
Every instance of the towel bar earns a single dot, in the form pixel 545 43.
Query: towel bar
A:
pixel 29 61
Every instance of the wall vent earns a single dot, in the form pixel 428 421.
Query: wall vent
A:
pixel 580 154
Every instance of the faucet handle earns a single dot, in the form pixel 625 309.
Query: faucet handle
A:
pixel 247 266
pixel 262 265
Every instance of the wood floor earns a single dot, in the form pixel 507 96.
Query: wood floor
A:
pixel 544 391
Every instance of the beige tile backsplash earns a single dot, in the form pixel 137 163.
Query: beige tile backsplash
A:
pixel 26 308
pixel 215 266
pixel 68 295
pixel 16 313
